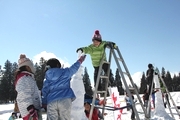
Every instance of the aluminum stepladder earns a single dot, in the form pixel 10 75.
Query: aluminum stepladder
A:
pixel 148 109
pixel 167 91
pixel 114 51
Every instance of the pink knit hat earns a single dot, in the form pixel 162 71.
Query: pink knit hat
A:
pixel 97 36
pixel 24 61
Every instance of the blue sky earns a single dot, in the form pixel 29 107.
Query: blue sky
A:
pixel 146 31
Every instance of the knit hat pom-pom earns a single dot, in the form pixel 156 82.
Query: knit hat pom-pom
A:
pixel 97 32
pixel 22 56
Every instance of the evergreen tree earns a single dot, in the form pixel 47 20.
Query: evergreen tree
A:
pixel 1 89
pixel 143 84
pixel 13 93
pixel 118 83
pixel 87 83
pixel 6 82
pixel 177 83
pixel 168 81
pixel 163 74
pixel 40 72
pixel 111 79
pixel 1 74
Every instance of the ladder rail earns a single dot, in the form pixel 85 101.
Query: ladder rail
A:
pixel 125 83
pixel 148 110
pixel 169 96
pixel 130 78
pixel 94 94
pixel 170 109
pixel 112 53
pixel 97 83
pixel 107 81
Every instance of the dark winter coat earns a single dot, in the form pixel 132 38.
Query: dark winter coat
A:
pixel 149 76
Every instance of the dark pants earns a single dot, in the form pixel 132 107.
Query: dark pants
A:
pixel 132 114
pixel 150 88
pixel 96 70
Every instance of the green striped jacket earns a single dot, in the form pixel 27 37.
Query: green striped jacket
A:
pixel 96 53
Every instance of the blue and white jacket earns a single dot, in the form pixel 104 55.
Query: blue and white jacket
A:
pixel 57 83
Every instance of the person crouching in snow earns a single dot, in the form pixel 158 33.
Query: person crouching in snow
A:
pixel 87 105
pixel 96 51
pixel 89 99
pixel 56 92
pixel 96 115
pixel 28 97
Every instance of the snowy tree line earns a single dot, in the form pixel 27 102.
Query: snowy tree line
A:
pixel 7 79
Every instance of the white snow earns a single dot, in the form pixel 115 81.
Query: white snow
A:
pixel 77 85
pixel 159 113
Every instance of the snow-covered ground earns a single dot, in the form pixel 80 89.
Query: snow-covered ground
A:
pixel 7 109
pixel 159 113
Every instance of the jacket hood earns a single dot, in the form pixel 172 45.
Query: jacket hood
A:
pixel 53 73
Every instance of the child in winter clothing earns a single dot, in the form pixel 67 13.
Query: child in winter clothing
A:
pixel 167 99
pixel 153 97
pixel 132 113
pixel 96 51
pixel 88 98
pixel 56 92
pixel 28 97
pixel 127 99
pixel 87 105
pixel 149 76
pixel 96 113
pixel 12 117
pixel 146 97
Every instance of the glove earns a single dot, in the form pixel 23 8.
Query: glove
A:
pixel 79 49
pixel 111 44
pixel 44 106
pixel 82 58
pixel 102 102
pixel 32 111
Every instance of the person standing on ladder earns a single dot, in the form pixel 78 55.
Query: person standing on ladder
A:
pixel 96 51
pixel 149 77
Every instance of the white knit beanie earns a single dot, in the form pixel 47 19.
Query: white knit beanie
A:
pixel 23 61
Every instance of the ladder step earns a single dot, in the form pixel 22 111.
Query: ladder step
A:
pixel 101 91
pixel 126 73
pixel 120 59
pixel 102 76
pixel 106 62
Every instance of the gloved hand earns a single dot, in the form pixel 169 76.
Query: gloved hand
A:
pixel 111 44
pixel 82 58
pixel 79 49
pixel 102 102
pixel 44 106
pixel 32 111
